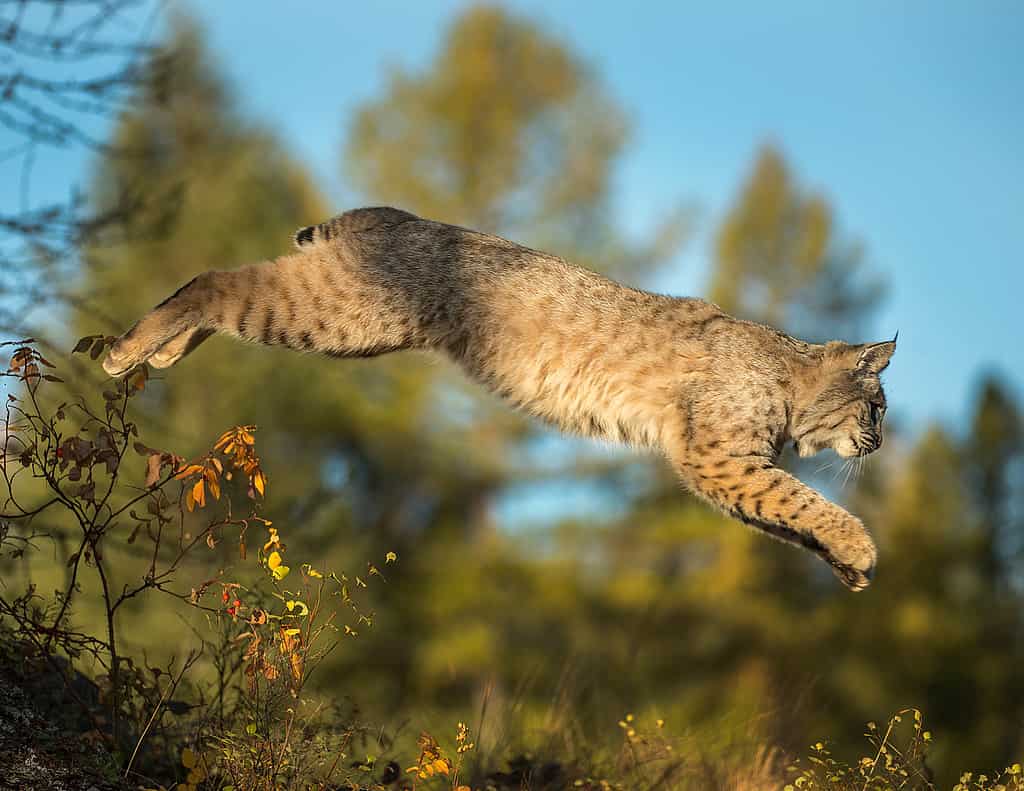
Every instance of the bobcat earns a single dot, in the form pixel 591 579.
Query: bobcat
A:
pixel 720 397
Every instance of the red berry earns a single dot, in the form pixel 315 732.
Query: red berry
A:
pixel 237 603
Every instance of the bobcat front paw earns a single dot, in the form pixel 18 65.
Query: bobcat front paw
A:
pixel 853 561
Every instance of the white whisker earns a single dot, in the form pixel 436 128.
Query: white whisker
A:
pixel 850 466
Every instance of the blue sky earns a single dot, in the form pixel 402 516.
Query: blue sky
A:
pixel 909 117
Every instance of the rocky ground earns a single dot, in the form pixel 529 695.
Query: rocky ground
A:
pixel 42 746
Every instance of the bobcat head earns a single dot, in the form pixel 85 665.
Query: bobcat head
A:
pixel 846 405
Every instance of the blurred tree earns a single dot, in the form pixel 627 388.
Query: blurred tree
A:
pixel 994 460
pixel 994 452
pixel 778 261
pixel 507 132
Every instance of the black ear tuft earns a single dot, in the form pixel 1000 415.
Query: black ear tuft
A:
pixel 304 235
pixel 875 356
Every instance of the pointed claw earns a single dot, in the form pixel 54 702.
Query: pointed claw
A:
pixel 854 579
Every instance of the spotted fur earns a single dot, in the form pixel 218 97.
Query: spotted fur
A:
pixel 720 397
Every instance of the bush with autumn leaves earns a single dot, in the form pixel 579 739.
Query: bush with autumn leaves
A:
pixel 267 621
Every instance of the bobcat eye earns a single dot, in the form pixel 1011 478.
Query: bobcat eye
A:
pixel 877 411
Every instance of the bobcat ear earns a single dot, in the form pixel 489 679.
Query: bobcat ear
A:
pixel 874 357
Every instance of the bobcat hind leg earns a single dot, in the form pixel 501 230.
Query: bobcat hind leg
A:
pixel 173 324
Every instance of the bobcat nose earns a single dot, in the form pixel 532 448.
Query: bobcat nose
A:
pixel 872 442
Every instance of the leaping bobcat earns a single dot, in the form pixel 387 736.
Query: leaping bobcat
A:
pixel 720 397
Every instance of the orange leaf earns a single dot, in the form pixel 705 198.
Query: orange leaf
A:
pixel 190 470
pixel 199 493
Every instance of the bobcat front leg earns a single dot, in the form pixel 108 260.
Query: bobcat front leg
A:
pixel 752 490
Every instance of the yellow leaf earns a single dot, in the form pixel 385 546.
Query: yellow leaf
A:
pixel 292 632
pixel 259 482
pixel 440 766
pixel 280 572
pixel 188 758
pixel 274 560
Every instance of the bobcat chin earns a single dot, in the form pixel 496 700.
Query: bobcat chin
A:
pixel 719 397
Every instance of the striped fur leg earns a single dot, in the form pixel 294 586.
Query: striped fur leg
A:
pixel 772 500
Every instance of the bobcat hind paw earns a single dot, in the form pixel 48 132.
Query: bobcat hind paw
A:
pixel 122 357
